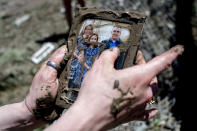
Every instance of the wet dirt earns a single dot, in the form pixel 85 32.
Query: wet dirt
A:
pixel 44 108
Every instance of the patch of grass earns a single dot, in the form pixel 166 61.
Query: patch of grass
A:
pixel 13 55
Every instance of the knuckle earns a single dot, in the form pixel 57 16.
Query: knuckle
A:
pixel 107 52
pixel 110 52
pixel 43 77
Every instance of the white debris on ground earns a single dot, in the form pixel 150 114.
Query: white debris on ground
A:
pixel 21 20
pixel 42 53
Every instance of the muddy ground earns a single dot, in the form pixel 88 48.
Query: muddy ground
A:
pixel 18 43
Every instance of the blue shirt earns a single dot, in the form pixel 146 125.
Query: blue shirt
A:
pixel 75 68
pixel 112 44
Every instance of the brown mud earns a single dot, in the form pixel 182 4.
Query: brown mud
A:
pixel 44 108
pixel 122 102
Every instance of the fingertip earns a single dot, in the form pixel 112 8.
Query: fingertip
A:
pixel 116 51
pixel 58 55
pixel 139 53
pixel 149 114
pixel 179 49
pixel 62 50
pixel 152 113
pixel 162 62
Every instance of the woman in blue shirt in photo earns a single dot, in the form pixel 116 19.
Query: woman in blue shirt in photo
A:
pixel 91 52
pixel 78 57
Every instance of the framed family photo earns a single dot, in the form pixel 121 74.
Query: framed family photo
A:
pixel 93 31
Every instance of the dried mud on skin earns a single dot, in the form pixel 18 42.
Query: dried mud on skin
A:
pixel 44 107
pixel 122 102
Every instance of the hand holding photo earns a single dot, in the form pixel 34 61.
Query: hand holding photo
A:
pixel 93 31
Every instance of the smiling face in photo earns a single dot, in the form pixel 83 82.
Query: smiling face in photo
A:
pixel 116 33
pixel 94 38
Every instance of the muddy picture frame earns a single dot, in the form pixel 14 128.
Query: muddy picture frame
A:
pixel 133 21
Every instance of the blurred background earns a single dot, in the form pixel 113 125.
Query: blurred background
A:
pixel 28 27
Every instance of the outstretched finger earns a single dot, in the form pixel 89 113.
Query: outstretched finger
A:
pixel 160 63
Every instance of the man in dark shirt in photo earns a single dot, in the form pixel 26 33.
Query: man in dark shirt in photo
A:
pixel 115 38
pixel 115 41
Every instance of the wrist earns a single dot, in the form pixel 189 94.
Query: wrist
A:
pixel 29 116
pixel 29 113
pixel 81 116
pixel 16 116
pixel 92 119
pixel 25 110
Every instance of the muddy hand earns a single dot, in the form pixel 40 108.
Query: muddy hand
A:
pixel 43 90
pixel 98 87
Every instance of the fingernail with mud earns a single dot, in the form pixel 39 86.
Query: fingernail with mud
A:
pixel 63 49
pixel 179 49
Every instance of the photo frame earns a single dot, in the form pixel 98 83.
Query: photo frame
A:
pixel 93 31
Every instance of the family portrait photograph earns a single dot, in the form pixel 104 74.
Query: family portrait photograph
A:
pixel 93 35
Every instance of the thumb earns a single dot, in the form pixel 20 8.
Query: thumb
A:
pixel 108 57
